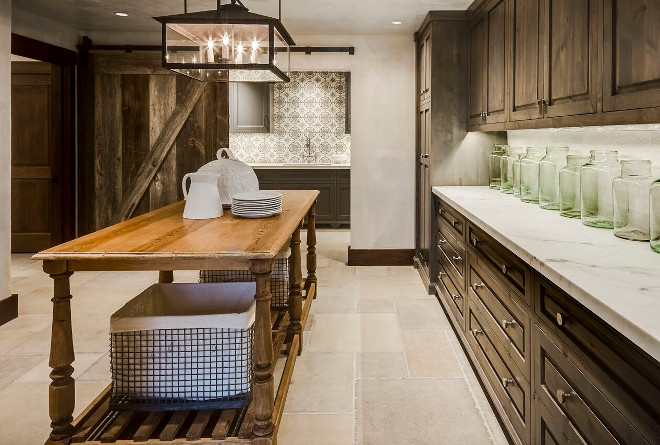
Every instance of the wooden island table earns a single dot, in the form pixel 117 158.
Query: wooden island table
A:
pixel 163 241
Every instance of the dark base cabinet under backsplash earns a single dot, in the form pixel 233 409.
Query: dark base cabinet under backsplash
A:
pixel 554 371
pixel 334 202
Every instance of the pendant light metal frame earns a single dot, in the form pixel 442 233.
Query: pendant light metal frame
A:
pixel 234 13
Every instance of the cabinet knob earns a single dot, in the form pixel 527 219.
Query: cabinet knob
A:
pixel 476 286
pixel 475 242
pixel 476 332
pixel 454 222
pixel 440 211
pixel 561 319
pixel 506 382
pixel 563 395
pixel 456 258
pixel 505 269
pixel 506 324
pixel 456 297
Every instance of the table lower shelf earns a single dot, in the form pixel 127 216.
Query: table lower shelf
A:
pixel 98 424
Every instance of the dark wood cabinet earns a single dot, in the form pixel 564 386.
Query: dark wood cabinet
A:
pixel 487 91
pixel 525 61
pixel 560 63
pixel 631 62
pixel 333 205
pixel 424 67
pixel 423 192
pixel 555 373
pixel 570 54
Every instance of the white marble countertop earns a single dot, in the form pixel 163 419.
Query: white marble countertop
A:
pixel 617 280
pixel 302 166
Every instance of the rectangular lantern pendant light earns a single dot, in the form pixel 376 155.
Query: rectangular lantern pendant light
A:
pixel 228 44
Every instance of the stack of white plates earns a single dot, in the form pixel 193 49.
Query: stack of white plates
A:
pixel 256 204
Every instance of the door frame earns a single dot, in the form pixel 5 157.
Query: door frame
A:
pixel 67 60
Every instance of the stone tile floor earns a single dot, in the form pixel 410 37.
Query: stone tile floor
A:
pixel 381 364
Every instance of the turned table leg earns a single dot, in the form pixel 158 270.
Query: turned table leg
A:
pixel 295 291
pixel 166 276
pixel 311 249
pixel 264 388
pixel 62 390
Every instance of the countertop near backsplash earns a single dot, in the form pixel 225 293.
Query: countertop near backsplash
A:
pixel 284 166
pixel 314 104
pixel 616 279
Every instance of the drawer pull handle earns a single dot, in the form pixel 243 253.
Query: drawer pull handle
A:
pixel 563 395
pixel 475 242
pixel 506 382
pixel 561 319
pixel 440 211
pixel 456 297
pixel 476 332
pixel 454 222
pixel 476 286
pixel 442 241
pixel 505 269
pixel 456 258
pixel 506 324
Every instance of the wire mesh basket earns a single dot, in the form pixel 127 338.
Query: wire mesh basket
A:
pixel 204 361
pixel 279 281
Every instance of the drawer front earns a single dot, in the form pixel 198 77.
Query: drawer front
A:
pixel 509 323
pixel 506 265
pixel 452 218
pixel 456 277
pixel 547 431
pixel 453 250
pixel 576 404
pixel 454 298
pixel 308 176
pixel 510 386
pixel 627 379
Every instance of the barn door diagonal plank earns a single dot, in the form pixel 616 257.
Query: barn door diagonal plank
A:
pixel 160 149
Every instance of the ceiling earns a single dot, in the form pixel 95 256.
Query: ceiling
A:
pixel 299 16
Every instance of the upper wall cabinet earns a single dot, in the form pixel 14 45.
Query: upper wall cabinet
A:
pixel 525 81
pixel 487 92
pixel 568 63
pixel 249 107
pixel 554 61
pixel 631 77
pixel 569 35
pixel 424 68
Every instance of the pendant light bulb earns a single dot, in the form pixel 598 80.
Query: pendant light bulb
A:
pixel 240 47
pixel 210 44
pixel 225 39
pixel 255 44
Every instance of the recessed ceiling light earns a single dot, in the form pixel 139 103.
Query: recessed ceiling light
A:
pixel 121 14
pixel 397 22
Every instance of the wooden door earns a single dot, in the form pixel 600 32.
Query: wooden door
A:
pixel 478 57
pixel 631 55
pixel 570 57
pixel 36 157
pixel 525 63
pixel 423 204
pixel 495 63
pixel 424 66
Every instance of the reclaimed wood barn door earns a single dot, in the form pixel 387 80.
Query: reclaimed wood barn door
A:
pixel 141 129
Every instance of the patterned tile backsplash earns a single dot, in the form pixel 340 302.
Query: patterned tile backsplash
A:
pixel 313 104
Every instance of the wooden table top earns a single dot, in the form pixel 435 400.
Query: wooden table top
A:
pixel 164 238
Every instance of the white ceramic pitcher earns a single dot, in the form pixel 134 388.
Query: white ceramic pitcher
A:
pixel 203 199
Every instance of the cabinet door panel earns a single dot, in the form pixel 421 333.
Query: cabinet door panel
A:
pixel 631 68
pixel 478 42
pixel 570 56
pixel 325 205
pixel 496 64
pixel 525 61
pixel 344 203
